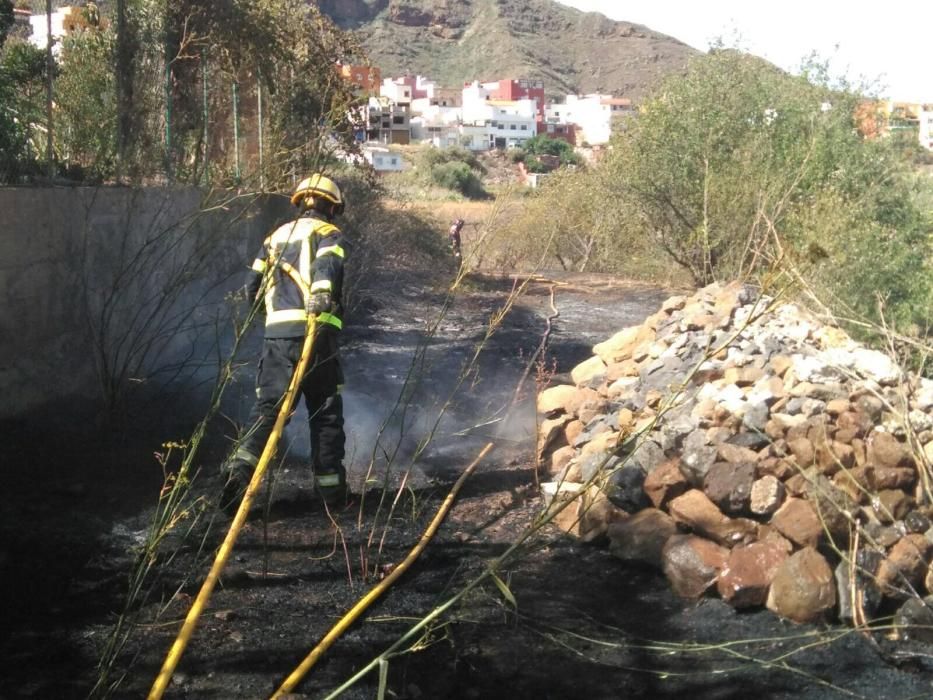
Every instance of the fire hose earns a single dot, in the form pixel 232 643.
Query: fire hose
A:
pixel 363 603
pixel 223 553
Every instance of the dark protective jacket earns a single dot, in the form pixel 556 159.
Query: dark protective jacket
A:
pixel 315 249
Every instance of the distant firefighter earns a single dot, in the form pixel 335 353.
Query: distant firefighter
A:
pixel 454 236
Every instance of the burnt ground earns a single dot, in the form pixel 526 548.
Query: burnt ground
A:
pixel 585 625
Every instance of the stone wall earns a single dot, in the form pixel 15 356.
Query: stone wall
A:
pixel 124 284
pixel 750 450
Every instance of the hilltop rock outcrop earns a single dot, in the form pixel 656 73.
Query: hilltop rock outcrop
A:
pixel 746 448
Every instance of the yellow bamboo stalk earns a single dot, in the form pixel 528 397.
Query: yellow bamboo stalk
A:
pixel 223 553
pixel 338 629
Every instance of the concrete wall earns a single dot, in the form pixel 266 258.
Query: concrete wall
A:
pixel 118 284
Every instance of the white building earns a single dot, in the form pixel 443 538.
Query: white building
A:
pixel 437 125
pixel 65 21
pixel 383 160
pixel 489 123
pixel 595 115
pixel 397 90
pixel 926 126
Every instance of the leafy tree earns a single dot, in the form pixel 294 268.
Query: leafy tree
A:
pixel 727 165
pixel 22 108
pixel 7 18
pixel 86 100
pixel 544 145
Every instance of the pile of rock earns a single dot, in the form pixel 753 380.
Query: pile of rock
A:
pixel 742 446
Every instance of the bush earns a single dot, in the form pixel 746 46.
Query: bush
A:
pixel 458 176
pixel 455 168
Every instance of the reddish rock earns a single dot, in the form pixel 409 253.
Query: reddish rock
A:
pixel 803 451
pixel 802 589
pixel 692 564
pixel 891 505
pixel 833 456
pixel 777 467
pixel 885 450
pixel 797 521
pixel 774 430
pixel 797 484
pixel 846 436
pixel 700 514
pixel 735 453
pixel 665 483
pixel 858 447
pixel 905 566
pixel 837 406
pixel 846 482
pixel 895 477
pixel 642 536
pixel 858 423
pixel 749 572
pixel 780 364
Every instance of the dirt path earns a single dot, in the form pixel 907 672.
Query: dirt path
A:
pixel 585 626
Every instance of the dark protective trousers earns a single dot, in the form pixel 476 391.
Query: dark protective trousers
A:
pixel 320 389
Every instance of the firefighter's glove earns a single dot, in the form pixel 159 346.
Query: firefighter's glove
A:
pixel 318 303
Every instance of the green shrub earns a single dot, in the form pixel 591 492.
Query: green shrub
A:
pixel 457 176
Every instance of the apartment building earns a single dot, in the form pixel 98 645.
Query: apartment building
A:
pixel 388 122
pixel 595 116
pixel 496 123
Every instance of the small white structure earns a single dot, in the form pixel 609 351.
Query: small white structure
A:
pixel 439 126
pixel 596 115
pixel 926 126
pixel 383 160
pixel 65 20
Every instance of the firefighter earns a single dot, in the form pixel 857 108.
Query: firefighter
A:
pixel 453 236
pixel 299 270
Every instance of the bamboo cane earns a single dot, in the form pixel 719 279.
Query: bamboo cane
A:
pixel 338 629
pixel 223 553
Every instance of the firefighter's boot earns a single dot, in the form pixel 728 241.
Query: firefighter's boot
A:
pixel 237 474
pixel 331 485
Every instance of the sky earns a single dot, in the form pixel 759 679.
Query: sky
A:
pixel 887 45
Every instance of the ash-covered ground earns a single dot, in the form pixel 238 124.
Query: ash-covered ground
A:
pixel 585 625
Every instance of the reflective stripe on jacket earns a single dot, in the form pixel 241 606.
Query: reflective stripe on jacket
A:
pixel 316 249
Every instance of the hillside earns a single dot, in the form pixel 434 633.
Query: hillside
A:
pixel 458 40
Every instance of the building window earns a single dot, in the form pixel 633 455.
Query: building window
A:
pixel 398 120
pixel 512 127
pixel 395 161
pixel 524 127
pixel 378 160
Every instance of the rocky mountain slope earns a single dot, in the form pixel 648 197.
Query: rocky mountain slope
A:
pixel 454 41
